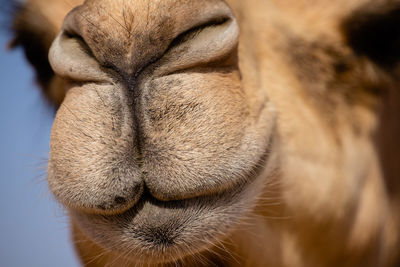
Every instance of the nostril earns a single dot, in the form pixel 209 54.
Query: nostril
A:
pixel 71 58
pixel 210 43
pixel 80 41
pixel 195 30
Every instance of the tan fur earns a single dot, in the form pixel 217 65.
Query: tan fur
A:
pixel 273 147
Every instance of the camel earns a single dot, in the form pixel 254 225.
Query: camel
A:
pixel 222 133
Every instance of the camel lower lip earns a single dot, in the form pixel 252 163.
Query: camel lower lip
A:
pixel 162 227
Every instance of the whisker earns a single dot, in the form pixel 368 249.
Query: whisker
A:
pixel 120 24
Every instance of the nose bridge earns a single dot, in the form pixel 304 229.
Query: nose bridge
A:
pixel 125 34
pixel 112 30
pixel 128 35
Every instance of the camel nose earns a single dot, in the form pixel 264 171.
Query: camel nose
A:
pixel 128 36
pixel 101 158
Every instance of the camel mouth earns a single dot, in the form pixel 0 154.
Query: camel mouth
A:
pixel 157 227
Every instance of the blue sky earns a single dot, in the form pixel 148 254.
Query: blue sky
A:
pixel 33 228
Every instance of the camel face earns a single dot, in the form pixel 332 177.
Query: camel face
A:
pixel 183 126
pixel 156 128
